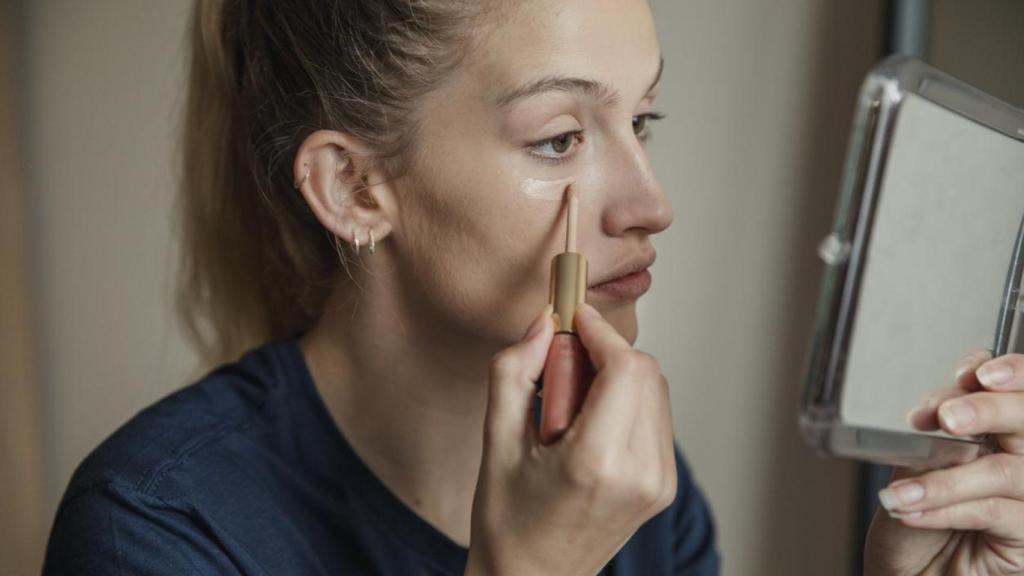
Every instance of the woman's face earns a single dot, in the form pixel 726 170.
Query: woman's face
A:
pixel 559 92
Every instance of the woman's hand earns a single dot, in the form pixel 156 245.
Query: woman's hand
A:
pixel 968 519
pixel 568 507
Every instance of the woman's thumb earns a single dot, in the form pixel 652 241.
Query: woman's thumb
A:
pixel 513 374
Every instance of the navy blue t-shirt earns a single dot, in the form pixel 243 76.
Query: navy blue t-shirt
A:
pixel 245 472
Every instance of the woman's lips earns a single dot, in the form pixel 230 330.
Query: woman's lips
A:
pixel 630 286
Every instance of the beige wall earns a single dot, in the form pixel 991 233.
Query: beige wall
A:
pixel 759 97
pixel 104 82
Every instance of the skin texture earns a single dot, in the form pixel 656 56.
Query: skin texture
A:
pixel 424 368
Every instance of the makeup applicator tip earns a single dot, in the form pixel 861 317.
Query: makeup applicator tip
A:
pixel 572 217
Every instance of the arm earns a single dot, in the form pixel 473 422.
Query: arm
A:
pixel 112 529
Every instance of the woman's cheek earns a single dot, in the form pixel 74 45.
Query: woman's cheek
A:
pixel 541 190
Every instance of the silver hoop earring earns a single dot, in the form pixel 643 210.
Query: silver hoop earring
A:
pixel 304 178
pixel 373 245
pixel 356 238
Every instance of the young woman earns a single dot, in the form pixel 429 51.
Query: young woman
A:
pixel 372 194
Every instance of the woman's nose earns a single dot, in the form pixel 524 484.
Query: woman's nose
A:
pixel 636 200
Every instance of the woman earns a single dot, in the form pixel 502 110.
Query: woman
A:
pixel 372 194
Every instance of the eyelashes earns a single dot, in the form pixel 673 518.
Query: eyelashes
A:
pixel 557 156
pixel 641 120
pixel 558 149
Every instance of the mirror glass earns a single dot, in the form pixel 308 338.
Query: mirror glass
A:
pixel 933 279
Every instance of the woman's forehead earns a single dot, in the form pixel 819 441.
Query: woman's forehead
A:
pixel 611 43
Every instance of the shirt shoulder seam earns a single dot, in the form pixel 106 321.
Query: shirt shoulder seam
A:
pixel 245 418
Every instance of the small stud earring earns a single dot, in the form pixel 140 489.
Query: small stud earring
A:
pixel 356 238
pixel 373 245
pixel 304 178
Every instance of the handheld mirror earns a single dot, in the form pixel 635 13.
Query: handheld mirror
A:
pixel 923 265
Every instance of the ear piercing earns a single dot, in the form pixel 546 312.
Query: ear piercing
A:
pixel 303 180
pixel 373 241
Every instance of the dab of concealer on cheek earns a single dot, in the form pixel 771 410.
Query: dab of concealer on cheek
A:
pixel 548 190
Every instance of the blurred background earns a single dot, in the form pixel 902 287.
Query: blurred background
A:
pixel 759 97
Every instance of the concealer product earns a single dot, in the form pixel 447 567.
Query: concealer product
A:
pixel 564 377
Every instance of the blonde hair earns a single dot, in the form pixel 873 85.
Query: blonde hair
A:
pixel 255 264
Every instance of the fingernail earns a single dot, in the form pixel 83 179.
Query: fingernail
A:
pixel 995 375
pixel 898 495
pixel 538 323
pixel 957 415
pixel 902 515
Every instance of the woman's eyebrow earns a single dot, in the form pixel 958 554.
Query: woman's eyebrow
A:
pixel 588 87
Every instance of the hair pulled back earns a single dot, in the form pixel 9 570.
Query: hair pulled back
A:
pixel 255 264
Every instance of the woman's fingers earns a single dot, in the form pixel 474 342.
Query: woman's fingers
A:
pixel 965 376
pixel 925 416
pixel 1002 374
pixel 610 408
pixel 999 517
pixel 996 475
pixel 513 373
pixel 603 342
pixel 983 412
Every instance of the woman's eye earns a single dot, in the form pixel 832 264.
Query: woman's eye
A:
pixel 557 148
pixel 640 123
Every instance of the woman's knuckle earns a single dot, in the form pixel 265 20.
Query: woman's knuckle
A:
pixel 649 490
pixel 503 363
pixel 671 489
pixel 627 362
pixel 637 364
pixel 648 363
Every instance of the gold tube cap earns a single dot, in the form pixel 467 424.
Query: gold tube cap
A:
pixel 568 288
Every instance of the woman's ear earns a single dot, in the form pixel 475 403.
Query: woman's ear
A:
pixel 344 187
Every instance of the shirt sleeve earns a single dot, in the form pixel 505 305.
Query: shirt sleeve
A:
pixel 694 547
pixel 114 530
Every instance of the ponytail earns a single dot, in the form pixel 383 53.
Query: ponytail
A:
pixel 221 291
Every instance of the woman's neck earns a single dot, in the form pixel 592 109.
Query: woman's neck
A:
pixel 410 399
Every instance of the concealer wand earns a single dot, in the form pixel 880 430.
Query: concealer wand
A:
pixel 566 370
